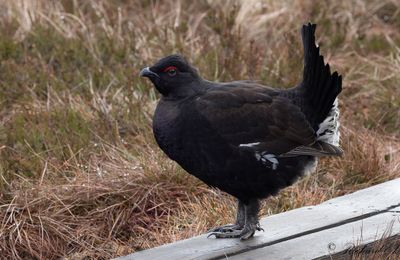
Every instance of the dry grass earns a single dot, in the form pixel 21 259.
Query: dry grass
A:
pixel 385 247
pixel 80 173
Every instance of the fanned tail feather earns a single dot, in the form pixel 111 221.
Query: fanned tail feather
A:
pixel 320 88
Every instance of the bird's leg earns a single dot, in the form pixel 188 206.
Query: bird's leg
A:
pixel 251 224
pixel 240 221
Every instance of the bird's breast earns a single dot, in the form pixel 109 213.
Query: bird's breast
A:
pixel 168 128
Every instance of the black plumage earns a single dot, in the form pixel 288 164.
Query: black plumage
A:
pixel 244 138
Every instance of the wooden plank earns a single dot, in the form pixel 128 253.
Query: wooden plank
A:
pixel 278 228
pixel 330 241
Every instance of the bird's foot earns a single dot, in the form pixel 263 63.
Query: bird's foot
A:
pixel 243 233
pixel 249 230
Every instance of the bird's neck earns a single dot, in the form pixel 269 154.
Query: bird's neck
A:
pixel 183 92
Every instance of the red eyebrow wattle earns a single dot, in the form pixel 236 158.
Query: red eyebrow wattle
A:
pixel 169 68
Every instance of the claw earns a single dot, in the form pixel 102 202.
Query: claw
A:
pixel 259 228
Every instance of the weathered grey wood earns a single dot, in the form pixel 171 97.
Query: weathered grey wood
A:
pixel 286 226
pixel 330 241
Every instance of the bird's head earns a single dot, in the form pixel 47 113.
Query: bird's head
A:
pixel 172 76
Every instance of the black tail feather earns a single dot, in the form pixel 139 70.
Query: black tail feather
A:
pixel 321 87
pixel 318 148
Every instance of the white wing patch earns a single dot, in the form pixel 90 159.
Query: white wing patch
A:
pixel 267 158
pixel 328 130
pixel 249 144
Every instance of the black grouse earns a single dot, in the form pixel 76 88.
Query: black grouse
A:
pixel 245 138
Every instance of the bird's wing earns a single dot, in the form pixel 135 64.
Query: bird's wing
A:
pixel 252 118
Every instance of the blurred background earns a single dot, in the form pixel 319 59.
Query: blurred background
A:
pixel 80 174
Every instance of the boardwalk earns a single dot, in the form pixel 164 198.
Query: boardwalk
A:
pixel 305 233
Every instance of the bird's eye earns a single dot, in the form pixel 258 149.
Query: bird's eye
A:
pixel 171 70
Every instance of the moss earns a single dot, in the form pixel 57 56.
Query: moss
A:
pixel 32 137
pixel 372 44
pixel 9 49
pixel 337 40
pixel 377 43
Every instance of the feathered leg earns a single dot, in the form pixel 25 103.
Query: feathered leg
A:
pixel 240 221
pixel 248 212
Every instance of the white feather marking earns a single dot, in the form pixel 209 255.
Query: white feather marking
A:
pixel 328 130
pixel 249 144
pixel 268 158
pixel 311 167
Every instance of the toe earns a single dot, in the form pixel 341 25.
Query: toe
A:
pixel 250 230
pixel 246 235
pixel 225 228
pixel 233 234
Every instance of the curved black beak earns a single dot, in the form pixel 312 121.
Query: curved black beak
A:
pixel 146 72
